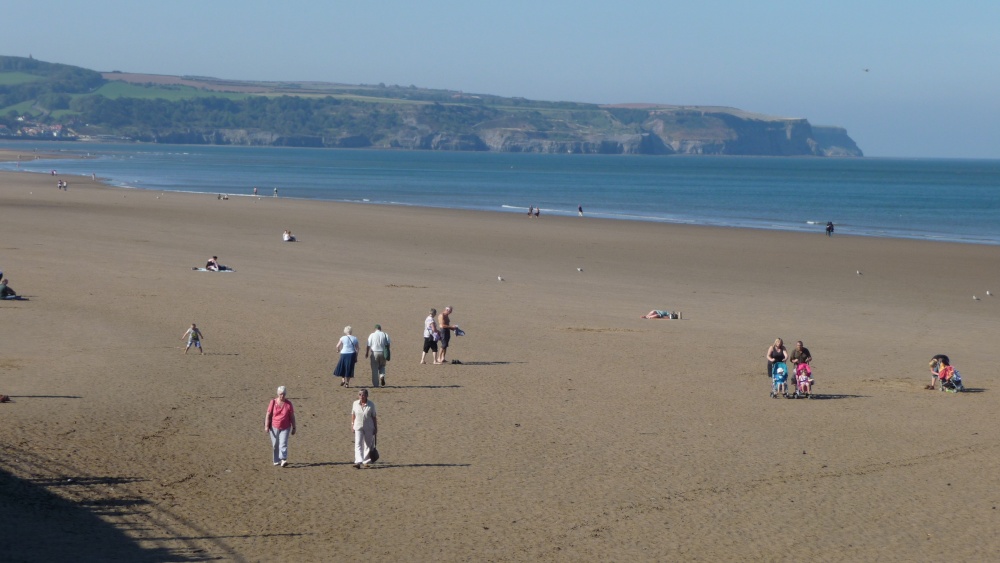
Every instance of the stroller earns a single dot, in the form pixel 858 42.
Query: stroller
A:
pixel 779 378
pixel 803 383
pixel 951 380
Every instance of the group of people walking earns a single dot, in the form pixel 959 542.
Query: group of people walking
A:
pixel 378 351
pixel 279 423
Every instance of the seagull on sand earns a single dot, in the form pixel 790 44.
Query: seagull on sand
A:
pixel 859 273
pixel 974 298
pixel 500 279
pixel 988 293
pixel 579 269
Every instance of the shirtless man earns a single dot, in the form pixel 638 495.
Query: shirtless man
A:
pixel 445 326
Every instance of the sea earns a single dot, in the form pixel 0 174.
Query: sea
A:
pixel 928 199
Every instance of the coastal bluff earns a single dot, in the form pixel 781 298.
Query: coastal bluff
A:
pixel 50 101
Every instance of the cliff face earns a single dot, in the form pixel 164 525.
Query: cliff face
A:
pixel 654 132
pixel 659 131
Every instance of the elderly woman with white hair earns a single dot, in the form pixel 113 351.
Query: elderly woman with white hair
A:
pixel 279 423
pixel 348 348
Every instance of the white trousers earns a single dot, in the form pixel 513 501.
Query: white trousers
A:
pixel 363 440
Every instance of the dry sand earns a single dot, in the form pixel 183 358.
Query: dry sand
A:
pixel 572 431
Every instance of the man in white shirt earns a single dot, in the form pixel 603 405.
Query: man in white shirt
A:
pixel 377 352
pixel 365 426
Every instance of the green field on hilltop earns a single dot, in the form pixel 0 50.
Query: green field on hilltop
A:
pixel 114 90
pixel 11 78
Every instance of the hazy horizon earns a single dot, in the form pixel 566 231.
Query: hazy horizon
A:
pixel 911 81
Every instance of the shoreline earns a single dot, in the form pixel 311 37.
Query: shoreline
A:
pixel 922 225
pixel 814 227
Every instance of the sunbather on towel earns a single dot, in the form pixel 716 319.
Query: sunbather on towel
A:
pixel 656 314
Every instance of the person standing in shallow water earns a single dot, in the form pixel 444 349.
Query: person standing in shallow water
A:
pixel 829 228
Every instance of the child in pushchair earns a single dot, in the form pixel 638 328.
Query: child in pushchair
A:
pixel 779 378
pixel 803 381
pixel 951 380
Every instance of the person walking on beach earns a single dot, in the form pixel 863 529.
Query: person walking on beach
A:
pixel 194 337
pixel 275 192
pixel 579 210
pixel 279 423
pixel 829 228
pixel 445 327
pixel 348 347
pixel 377 352
pixel 364 423
pixel 776 353
pixel 255 190
pixel 431 336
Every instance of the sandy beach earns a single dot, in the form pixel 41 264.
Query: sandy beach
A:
pixel 572 430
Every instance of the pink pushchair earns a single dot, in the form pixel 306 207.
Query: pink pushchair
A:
pixel 803 382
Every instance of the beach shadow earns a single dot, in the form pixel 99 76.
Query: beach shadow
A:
pixel 484 363
pixel 411 465
pixel 818 397
pixel 41 526
pixel 242 536
pixel 421 387
pixel 45 397
pixel 975 390
pixel 220 354
pixel 317 464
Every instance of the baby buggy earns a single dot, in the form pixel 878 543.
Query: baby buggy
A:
pixel 951 380
pixel 779 379
pixel 803 382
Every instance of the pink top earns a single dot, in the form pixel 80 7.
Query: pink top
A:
pixel 283 415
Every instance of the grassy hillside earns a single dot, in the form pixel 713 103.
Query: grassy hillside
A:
pixel 75 102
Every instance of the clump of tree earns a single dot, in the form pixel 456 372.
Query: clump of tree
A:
pixel 56 82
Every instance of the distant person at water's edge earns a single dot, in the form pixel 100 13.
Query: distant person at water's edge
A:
pixel 829 228
pixel 579 210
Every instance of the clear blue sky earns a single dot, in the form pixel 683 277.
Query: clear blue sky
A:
pixel 932 89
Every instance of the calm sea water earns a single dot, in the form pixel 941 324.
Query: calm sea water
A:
pixel 951 200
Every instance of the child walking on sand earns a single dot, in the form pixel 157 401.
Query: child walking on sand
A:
pixel 193 336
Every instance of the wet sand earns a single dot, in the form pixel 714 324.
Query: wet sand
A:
pixel 572 430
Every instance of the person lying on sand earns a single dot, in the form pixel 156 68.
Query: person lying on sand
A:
pixel 213 265
pixel 657 314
